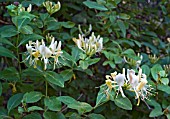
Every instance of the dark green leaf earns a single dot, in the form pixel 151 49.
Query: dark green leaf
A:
pixel 53 115
pixel 32 97
pixel 37 2
pixel 54 78
pixel 68 24
pixel 81 107
pixel 0 88
pixel 123 103
pixel 122 27
pixel 33 116
pixel 30 37
pixel 76 53
pixel 6 53
pixel 26 30
pixel 34 108
pixel 67 100
pixel 6 41
pixel 14 101
pixel 124 16
pixel 67 74
pixel 10 74
pixel 96 116
pixel 52 103
pixel 95 5
pixel 8 31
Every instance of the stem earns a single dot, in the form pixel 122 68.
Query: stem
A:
pixel 46 88
pixel 17 50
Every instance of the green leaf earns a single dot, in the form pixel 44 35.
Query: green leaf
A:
pixel 68 24
pixel 155 71
pixel 54 78
pixel 3 113
pixel 101 96
pixel 123 103
pixel 122 27
pixel 83 64
pixel 0 88
pixel 32 97
pixel 52 103
pixel 145 69
pixel 20 21
pixel 8 31
pixel 6 41
pixel 157 111
pixel 81 107
pixel 33 108
pixel 26 30
pixel 53 115
pixel 96 116
pixel 76 53
pixel 112 65
pixel 92 61
pixel 95 5
pixel 35 73
pixel 9 74
pixel 124 16
pixel 67 100
pixel 6 53
pixel 67 74
pixel 31 37
pixel 165 81
pixel 38 2
pixel 32 116
pixel 130 54
pixel 164 88
pixel 14 101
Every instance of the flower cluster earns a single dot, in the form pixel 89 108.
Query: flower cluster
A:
pixel 89 45
pixel 52 8
pixel 135 83
pixel 39 51
pixel 28 9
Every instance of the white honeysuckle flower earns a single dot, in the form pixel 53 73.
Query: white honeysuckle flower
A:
pixel 138 62
pixel 120 80
pixel 39 50
pixel 89 45
pixel 132 78
pixel 29 8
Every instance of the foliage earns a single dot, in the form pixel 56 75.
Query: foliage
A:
pixel 60 60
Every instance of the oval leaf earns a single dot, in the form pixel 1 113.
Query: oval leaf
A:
pixel 52 103
pixel 14 101
pixel 123 103
pixel 54 78
pixel 32 97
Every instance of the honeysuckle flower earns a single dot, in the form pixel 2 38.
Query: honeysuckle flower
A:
pixel 52 8
pixel 138 62
pixel 118 81
pixel 142 89
pixel 89 45
pixel 24 9
pixel 39 50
